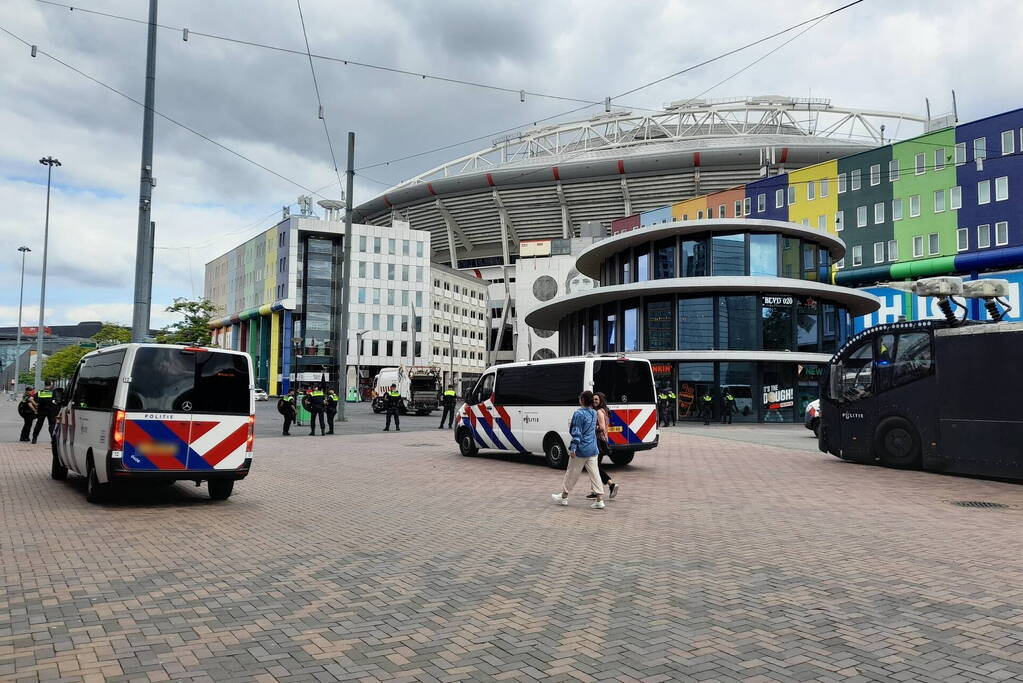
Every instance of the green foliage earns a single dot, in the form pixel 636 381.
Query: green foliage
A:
pixel 194 328
pixel 112 333
pixel 26 377
pixel 62 364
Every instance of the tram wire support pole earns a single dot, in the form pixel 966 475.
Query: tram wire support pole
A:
pixel 49 162
pixel 144 246
pixel 346 281
pixel 17 344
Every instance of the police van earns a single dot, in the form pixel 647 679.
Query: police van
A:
pixel 526 407
pixel 156 412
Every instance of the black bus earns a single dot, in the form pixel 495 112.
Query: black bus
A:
pixel 933 394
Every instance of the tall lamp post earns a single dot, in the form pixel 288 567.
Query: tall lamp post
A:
pixel 358 363
pixel 49 163
pixel 21 299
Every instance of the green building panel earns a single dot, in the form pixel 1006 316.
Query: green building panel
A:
pixel 867 196
pixel 926 174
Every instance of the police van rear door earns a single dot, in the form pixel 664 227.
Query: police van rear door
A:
pixel 629 387
pixel 187 408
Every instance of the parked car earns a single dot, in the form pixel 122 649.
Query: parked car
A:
pixel 261 395
pixel 812 416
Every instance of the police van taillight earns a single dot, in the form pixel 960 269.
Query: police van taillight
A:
pixel 252 434
pixel 117 431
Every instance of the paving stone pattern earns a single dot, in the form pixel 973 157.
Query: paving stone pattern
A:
pixel 391 557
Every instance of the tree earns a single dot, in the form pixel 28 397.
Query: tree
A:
pixel 112 333
pixel 194 328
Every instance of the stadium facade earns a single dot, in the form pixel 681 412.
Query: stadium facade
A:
pixel 530 195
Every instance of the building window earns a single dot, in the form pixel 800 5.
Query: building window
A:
pixel 376 245
pixel 822 222
pixel 980 148
pixel 893 250
pixel 857 255
pixel 933 244
pixel 920 163
pixel 811 188
pixel 721 211
pixel 839 221
pixel 763 255
pixel 878 213
pixel 875 174
pixel 897 209
pixel 878 252
pixel 806 222
pixel 984 192
pixel 918 246
pixel 824 187
pixel 792 195
pixel 955 198
pixel 983 236
pixel 746 206
pixel 960 153
pixel 362 243
pixel 840 264
pixel 854 179
pixel 914 206
pixel 1001 233
pixel 841 183
pixel 939 201
pixel 861 216
pixel 893 170
pixel 939 159
pixel 761 202
pixel 737 207
pixel 419 249
pixel 1001 188
pixel 962 239
pixel 699 214
pixel 695 323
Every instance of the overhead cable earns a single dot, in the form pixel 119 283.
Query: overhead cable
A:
pixel 319 101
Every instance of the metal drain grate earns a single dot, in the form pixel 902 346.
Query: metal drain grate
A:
pixel 979 504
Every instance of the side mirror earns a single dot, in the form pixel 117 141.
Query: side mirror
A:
pixel 834 378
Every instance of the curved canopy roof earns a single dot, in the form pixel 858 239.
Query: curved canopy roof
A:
pixel 549 316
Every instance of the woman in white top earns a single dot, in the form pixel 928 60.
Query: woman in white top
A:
pixel 603 420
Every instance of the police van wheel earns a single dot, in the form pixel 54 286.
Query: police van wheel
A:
pixel 57 471
pixel 220 489
pixel 622 458
pixel 554 450
pixel 897 443
pixel 466 445
pixel 822 438
pixel 95 492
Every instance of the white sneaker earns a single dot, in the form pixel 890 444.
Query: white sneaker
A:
pixel 599 505
pixel 558 499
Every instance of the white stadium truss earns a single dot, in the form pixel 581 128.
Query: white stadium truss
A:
pixel 542 182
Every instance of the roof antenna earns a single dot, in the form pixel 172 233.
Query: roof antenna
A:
pixel 955 108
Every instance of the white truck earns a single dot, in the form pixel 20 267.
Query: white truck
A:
pixel 418 385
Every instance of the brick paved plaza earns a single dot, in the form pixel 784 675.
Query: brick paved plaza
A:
pixel 391 557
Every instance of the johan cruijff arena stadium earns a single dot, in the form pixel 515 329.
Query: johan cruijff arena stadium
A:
pixel 734 243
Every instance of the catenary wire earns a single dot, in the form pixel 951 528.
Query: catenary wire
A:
pixel 319 101
pixel 159 113
pixel 738 49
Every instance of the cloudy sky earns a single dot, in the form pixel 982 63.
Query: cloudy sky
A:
pixel 878 54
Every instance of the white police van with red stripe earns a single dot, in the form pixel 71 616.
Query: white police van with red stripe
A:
pixel 137 412
pixel 526 407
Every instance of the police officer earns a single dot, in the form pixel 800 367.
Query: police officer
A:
pixel 316 409
pixel 706 406
pixel 448 399
pixel 47 411
pixel 728 406
pixel 672 407
pixel 392 404
pixel 662 408
pixel 287 408
pixel 330 406
pixel 28 409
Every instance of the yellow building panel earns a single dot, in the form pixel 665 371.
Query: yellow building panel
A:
pixel 816 195
pixel 275 341
pixel 690 209
pixel 270 266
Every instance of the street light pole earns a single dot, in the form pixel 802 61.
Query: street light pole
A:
pixel 49 163
pixel 21 299
pixel 346 279
pixel 144 244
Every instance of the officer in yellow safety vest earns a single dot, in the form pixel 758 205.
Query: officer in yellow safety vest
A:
pixel 672 407
pixel 706 406
pixel 392 404
pixel 448 399
pixel 728 407
pixel 47 411
pixel 662 409
pixel 316 408
pixel 286 407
